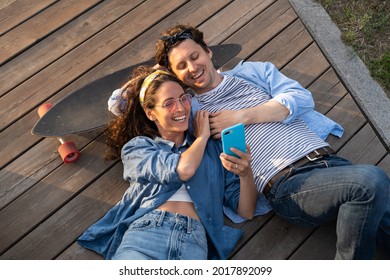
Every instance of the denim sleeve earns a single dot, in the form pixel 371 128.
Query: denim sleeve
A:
pixel 144 160
pixel 232 191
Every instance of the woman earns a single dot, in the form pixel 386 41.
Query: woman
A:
pixel 173 208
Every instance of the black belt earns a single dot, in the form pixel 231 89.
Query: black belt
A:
pixel 314 155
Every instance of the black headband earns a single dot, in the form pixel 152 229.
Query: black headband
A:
pixel 172 40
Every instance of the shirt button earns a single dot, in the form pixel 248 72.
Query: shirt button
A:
pixel 188 187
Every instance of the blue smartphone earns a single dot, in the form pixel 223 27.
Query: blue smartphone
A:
pixel 233 136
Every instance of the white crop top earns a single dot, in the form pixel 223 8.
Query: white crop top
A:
pixel 181 195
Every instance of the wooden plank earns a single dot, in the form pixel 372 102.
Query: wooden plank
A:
pixel 56 189
pixel 270 22
pixel 17 138
pixel 14 12
pixel 60 73
pixel 44 52
pixel 250 228
pixel 348 115
pixel 385 164
pixel 327 91
pixel 307 67
pixel 320 246
pixel 5 3
pixel 50 238
pixel 37 27
pixel 35 164
pixel 76 252
pixel 364 148
pixel 275 241
pixel 193 12
pixel 285 46
pixel 221 25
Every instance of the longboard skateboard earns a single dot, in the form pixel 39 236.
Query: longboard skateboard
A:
pixel 86 108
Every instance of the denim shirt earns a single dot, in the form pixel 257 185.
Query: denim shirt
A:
pixel 150 167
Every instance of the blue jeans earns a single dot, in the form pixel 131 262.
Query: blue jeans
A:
pixel 331 188
pixel 161 235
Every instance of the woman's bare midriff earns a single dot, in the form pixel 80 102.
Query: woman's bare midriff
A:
pixel 181 207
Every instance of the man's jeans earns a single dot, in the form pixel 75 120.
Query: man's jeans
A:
pixel 330 188
pixel 161 235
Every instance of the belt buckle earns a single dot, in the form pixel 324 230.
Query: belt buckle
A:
pixel 317 156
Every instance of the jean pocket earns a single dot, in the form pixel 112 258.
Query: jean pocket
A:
pixel 142 224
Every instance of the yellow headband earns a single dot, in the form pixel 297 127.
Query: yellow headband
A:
pixel 147 81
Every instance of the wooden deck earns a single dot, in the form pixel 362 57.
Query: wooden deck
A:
pixel 50 48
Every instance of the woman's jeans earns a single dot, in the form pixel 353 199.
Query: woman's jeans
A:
pixel 358 196
pixel 161 235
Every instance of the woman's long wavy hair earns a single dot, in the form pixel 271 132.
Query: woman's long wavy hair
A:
pixel 133 120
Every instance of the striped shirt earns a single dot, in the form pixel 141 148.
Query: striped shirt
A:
pixel 274 145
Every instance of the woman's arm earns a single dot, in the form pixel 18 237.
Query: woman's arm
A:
pixel 248 192
pixel 189 160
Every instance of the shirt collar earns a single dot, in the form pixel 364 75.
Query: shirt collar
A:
pixel 188 140
pixel 224 79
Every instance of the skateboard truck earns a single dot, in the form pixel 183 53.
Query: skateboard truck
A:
pixel 67 150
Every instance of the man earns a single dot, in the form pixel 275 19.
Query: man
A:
pixel 296 170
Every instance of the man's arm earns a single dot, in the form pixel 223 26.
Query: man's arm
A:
pixel 271 111
pixel 288 98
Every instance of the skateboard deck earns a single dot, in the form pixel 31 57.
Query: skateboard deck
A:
pixel 86 108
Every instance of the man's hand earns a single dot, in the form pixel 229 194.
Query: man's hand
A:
pixel 271 111
pixel 221 120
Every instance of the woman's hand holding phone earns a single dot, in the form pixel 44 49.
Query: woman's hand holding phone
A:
pixel 236 154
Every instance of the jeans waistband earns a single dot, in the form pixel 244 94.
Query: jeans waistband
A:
pixel 162 216
pixel 311 157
